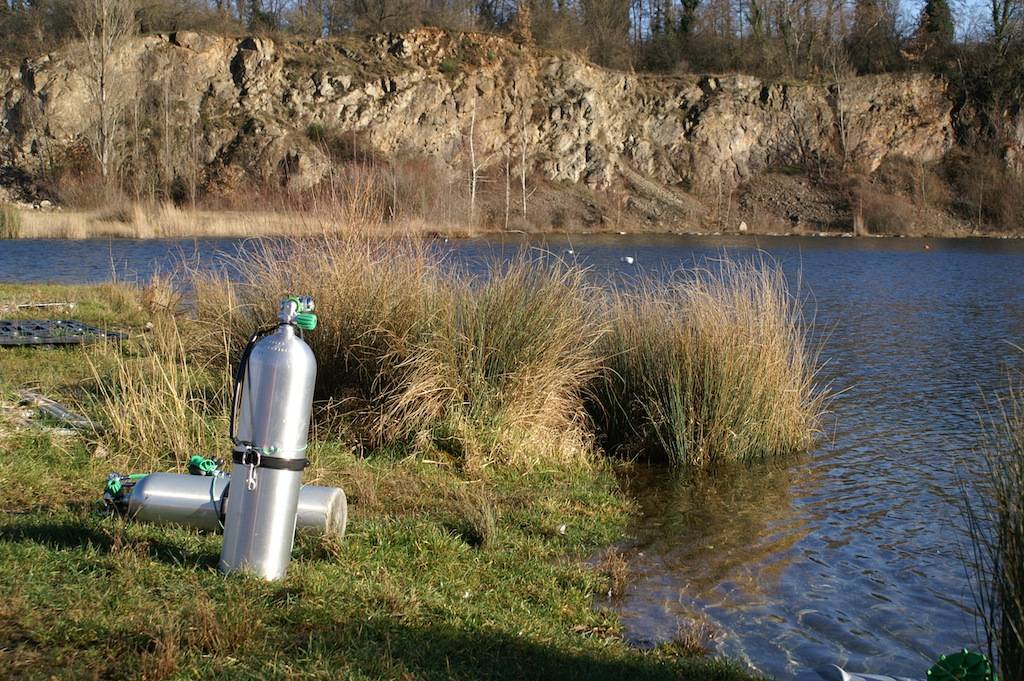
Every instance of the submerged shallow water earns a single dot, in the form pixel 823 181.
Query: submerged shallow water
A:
pixel 848 554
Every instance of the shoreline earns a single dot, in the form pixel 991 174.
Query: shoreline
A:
pixel 427 545
pixel 168 222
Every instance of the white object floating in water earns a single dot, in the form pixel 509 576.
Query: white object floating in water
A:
pixel 622 234
pixel 628 259
pixel 569 251
pixel 834 673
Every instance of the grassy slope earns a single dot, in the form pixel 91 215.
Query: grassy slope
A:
pixel 438 577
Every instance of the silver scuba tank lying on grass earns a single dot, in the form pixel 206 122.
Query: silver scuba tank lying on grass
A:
pixel 269 427
pixel 202 502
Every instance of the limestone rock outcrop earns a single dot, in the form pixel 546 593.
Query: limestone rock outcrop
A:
pixel 247 105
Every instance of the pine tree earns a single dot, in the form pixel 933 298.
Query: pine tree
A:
pixel 688 16
pixel 936 30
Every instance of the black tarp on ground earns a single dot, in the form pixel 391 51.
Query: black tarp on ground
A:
pixel 51 332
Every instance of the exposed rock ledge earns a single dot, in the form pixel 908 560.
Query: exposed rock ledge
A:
pixel 250 102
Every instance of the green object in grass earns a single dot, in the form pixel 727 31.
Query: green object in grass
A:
pixel 962 666
pixel 200 465
pixel 116 482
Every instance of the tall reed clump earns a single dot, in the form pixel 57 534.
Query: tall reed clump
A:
pixel 412 352
pixel 711 367
pixel 160 404
pixel 10 222
pixel 994 508
pixel 515 352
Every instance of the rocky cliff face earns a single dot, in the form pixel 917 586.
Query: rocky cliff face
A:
pixel 246 106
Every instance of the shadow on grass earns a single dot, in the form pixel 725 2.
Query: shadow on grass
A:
pixel 386 649
pixel 89 533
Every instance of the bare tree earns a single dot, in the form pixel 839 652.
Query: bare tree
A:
pixel 104 26
pixel 508 185
pixel 377 15
pixel 522 28
pixel 519 102
pixel 474 167
pixel 841 73
pixel 873 42
pixel 1006 15
pixel 607 23
pixel 477 161
pixel 522 158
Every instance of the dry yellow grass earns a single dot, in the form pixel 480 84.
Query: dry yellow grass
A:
pixel 993 506
pixel 160 403
pixel 10 222
pixel 712 367
pixel 695 638
pixel 411 352
pixel 525 365
pixel 168 221
pixel 615 568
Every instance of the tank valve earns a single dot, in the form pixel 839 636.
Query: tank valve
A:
pixel 298 311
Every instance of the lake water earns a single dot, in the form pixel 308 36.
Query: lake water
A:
pixel 847 555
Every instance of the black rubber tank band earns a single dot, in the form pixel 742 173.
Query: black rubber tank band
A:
pixel 272 462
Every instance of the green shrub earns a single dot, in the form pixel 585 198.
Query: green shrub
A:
pixel 316 133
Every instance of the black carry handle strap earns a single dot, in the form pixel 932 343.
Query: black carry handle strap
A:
pixel 249 458
pixel 240 374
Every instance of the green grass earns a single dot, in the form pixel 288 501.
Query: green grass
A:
pixel 100 304
pixel 110 307
pixel 444 573
pixel 316 133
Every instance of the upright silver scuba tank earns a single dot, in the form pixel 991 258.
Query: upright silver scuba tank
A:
pixel 270 425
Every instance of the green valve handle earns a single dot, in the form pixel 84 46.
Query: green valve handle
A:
pixel 116 482
pixel 962 666
pixel 200 465
pixel 305 321
pixel 114 485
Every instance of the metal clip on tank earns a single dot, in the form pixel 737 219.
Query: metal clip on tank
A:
pixel 270 416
